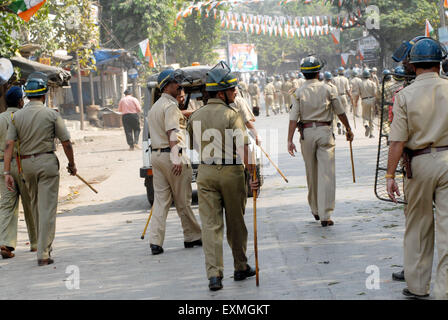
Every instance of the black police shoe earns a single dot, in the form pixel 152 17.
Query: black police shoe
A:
pixel 367 130
pixel 408 293
pixel 398 276
pixel 193 243
pixel 241 275
pixel 215 283
pixel 156 249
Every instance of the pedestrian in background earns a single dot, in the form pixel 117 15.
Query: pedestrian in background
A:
pixel 130 109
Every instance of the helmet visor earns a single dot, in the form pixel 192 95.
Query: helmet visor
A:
pixel 402 52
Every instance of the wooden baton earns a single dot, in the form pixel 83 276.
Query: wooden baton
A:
pixel 275 166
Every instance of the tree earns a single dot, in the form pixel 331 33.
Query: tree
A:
pixel 128 23
pixel 400 20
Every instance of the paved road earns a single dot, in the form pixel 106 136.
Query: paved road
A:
pixel 99 235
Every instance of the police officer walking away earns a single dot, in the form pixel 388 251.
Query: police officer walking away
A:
pixel 221 176
pixel 171 167
pixel 9 201
pixel 367 92
pixel 314 105
pixel 269 96
pixel 420 130
pixel 35 128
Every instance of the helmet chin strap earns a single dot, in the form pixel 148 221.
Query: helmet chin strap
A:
pixel 226 98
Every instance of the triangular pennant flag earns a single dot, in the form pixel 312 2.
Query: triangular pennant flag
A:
pixel 26 9
pixel 429 30
pixel 145 53
pixel 336 35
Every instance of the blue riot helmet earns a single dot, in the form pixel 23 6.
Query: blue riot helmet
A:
pixel 328 75
pixel 427 50
pixel 36 84
pixel 403 51
pixel 399 73
pixel 220 78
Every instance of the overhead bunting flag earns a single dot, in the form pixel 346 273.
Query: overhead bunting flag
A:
pixel 429 30
pixel 336 35
pixel 344 58
pixel 144 53
pixel 26 9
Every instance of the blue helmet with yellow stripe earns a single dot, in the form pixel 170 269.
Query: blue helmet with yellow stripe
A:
pixel 36 84
pixel 220 78
pixel 311 64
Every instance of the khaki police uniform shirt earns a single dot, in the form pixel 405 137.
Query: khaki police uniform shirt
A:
pixel 343 84
pixel 287 85
pixel 367 89
pixel 421 113
pixel 254 90
pixel 269 89
pixel 278 86
pixel 5 122
pixel 163 117
pixel 36 127
pixel 354 83
pixel 243 109
pixel 315 101
pixel 209 131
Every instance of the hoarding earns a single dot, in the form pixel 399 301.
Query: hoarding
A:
pixel 243 57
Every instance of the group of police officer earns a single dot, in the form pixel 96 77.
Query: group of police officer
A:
pixel 30 168
pixel 419 132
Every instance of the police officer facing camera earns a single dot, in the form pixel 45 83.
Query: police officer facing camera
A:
pixel 34 129
pixel 419 131
pixel 171 167
pixel 221 176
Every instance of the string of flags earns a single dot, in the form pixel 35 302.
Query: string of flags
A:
pixel 212 6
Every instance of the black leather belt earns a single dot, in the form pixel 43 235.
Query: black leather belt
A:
pixel 35 155
pixel 415 153
pixel 318 124
pixel 166 150
pixel 217 163
pixel 367 98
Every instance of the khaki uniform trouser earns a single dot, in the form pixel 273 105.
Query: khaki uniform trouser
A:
pixel 255 101
pixel 318 154
pixel 168 187
pixel 428 186
pixel 368 113
pixel 9 209
pixel 42 180
pixel 278 97
pixel 344 102
pixel 287 102
pixel 356 99
pixel 222 187
pixel 269 101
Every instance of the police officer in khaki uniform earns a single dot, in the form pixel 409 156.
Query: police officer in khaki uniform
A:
pixel 286 88
pixel 314 105
pixel 278 95
pixel 344 91
pixel 269 96
pixel 254 92
pixel 241 105
pixel 368 92
pixel 35 128
pixel 221 176
pixel 171 166
pixel 9 201
pixel 354 85
pixel 420 130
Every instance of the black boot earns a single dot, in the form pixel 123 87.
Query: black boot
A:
pixel 193 243
pixel 398 276
pixel 156 249
pixel 241 275
pixel 215 283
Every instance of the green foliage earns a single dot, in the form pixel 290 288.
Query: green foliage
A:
pixel 57 25
pixel 192 39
